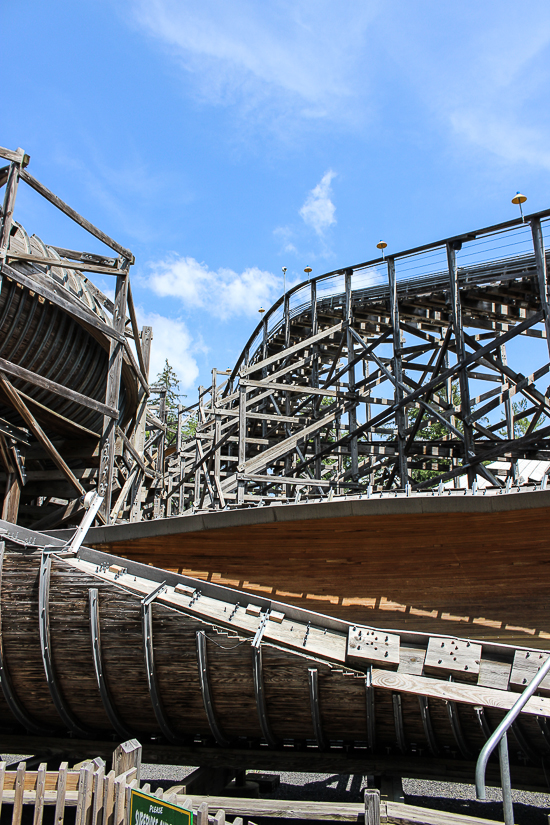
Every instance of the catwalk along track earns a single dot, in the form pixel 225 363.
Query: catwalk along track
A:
pixel 94 645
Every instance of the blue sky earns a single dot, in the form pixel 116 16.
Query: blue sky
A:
pixel 223 140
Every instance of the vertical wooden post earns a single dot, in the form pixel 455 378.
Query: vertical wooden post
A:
pixel 509 412
pixel 61 792
pixel 202 814
pixel 398 375
pixel 39 794
pixel 18 795
pixel 460 354
pixel 372 806
pixel 140 426
pixel 242 442
pixel 2 778
pixel 352 415
pixel 98 796
pixel 126 757
pixel 542 275
pixel 106 463
pixel 286 319
pixel 8 207
pixel 85 791
pixel 108 798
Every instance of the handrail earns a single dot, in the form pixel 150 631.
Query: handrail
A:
pixel 463 237
pixel 496 737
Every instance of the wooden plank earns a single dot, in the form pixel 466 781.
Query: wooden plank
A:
pixel 71 213
pixel 297 388
pixel 40 793
pixel 85 787
pixel 2 777
pixel 61 793
pixel 456 692
pixel 109 798
pixel 76 265
pixel 56 389
pixel 372 806
pixel 526 664
pixel 396 812
pixel 446 654
pixel 18 156
pixel 98 796
pixel 259 365
pixel 31 422
pixel 373 645
pixel 494 674
pixel 18 797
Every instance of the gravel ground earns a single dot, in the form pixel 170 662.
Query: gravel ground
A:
pixel 529 808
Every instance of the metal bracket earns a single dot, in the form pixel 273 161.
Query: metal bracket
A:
pixel 63 710
pixel 313 680
pixel 427 724
pixel 149 654
pixel 98 666
pixel 261 628
pixel 205 690
pixel 259 692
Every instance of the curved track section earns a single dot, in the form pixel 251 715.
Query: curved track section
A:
pixel 399 373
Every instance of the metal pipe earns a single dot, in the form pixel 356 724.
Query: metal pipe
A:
pixel 511 716
pixel 504 761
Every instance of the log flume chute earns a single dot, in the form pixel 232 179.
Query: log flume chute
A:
pixel 93 645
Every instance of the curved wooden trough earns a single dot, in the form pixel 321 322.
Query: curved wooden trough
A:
pixel 93 644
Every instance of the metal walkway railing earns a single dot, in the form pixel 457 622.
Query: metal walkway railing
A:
pixel 499 737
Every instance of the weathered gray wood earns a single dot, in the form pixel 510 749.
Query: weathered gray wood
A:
pixel 19 791
pixel 79 266
pixel 56 389
pixel 19 156
pixel 40 795
pixel 33 424
pixel 372 806
pixel 126 757
pixel 61 789
pixel 71 213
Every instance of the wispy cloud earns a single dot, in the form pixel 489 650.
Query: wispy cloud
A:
pixel 318 209
pixel 222 293
pixel 297 54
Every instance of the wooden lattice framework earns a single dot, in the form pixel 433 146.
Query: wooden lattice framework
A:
pixel 393 373
pixel 106 438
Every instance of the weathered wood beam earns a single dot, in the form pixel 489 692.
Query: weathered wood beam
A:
pixel 71 213
pixel 56 389
pixel 31 422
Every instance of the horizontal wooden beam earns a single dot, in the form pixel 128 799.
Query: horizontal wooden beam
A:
pixel 76 265
pixel 57 389
pixel 18 156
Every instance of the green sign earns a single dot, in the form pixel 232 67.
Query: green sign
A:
pixel 148 810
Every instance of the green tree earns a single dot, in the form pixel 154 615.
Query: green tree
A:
pixel 169 378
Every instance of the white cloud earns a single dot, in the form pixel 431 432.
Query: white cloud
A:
pixel 223 293
pixel 318 209
pixel 300 54
pixel 172 341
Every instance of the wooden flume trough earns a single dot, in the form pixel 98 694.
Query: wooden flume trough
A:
pixel 94 645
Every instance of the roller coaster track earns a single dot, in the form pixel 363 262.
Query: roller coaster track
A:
pixel 396 373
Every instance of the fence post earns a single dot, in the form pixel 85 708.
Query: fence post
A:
pixel 39 794
pixel 2 777
pixel 202 814
pixel 97 809
pixel 127 756
pixel 85 790
pixel 61 792
pixel 18 796
pixel 372 806
pixel 108 798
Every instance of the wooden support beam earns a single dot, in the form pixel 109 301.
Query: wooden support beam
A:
pixel 106 464
pixel 71 213
pixel 56 389
pixel 31 422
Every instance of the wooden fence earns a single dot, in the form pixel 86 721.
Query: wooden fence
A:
pixel 103 798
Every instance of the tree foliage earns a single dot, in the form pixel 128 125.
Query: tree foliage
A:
pixel 169 378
